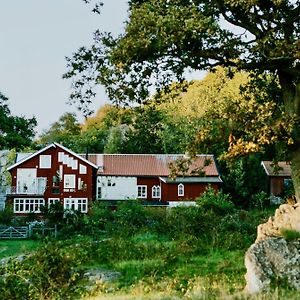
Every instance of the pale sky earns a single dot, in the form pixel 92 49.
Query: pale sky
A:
pixel 36 36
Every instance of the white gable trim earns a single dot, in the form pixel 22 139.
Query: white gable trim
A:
pixel 76 155
pixel 265 168
pixel 48 147
pixel 30 156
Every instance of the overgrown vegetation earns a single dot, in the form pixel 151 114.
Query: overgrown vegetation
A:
pixel 183 252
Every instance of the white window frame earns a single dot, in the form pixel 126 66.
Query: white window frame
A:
pixel 156 191
pixel 52 201
pixel 79 204
pixel 142 191
pixel 28 205
pixel 180 190
pixel 45 162
pixel 82 169
pixel 69 182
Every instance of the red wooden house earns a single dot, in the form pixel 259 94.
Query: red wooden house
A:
pixel 52 174
pixel 278 177
pixel 146 177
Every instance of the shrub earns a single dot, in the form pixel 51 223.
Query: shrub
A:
pixel 218 202
pixel 54 213
pixel 129 218
pixel 6 215
pixel 49 273
pixel 259 200
pixel 290 234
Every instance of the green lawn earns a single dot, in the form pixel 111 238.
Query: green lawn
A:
pixel 16 247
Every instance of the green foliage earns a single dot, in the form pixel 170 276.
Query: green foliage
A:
pixel 242 178
pixel 260 200
pixel 290 234
pixel 153 248
pixel 54 213
pixel 65 131
pixel 16 132
pixel 144 132
pixel 115 139
pixel 17 247
pixel 130 216
pixel 152 53
pixel 6 215
pixel 218 202
pixel 49 273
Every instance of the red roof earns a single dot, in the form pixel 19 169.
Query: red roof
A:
pixel 148 164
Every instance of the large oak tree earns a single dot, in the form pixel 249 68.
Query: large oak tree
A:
pixel 163 39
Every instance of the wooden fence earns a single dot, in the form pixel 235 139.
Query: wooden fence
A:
pixel 9 232
pixel 24 232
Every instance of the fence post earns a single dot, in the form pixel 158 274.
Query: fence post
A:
pixel 55 230
pixel 29 231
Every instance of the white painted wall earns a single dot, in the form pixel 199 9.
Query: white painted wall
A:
pixel 120 187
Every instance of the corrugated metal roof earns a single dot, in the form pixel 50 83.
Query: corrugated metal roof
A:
pixel 148 164
pixel 282 169
pixel 214 179
pixel 20 156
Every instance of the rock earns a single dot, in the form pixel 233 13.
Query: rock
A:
pixel 286 217
pixel 95 275
pixel 272 259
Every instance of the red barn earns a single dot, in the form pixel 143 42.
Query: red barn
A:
pixel 52 174
pixel 147 177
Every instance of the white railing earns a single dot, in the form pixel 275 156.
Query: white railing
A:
pixel 20 190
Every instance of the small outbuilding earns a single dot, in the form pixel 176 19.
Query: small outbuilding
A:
pixel 278 177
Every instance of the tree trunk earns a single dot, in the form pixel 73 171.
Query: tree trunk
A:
pixel 295 166
pixel 291 97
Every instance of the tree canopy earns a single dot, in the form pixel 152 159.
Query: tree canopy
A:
pixel 15 131
pixel 65 131
pixel 163 39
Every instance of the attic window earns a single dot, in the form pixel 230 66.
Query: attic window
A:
pixel 82 169
pixel 45 161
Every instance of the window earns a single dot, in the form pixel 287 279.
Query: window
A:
pixel 180 189
pixel 288 187
pixel 82 169
pixel 156 191
pixel 69 183
pixel 28 205
pixel 56 179
pixel 45 161
pixel 110 183
pixel 80 204
pixel 99 193
pixel 142 191
pixel 52 201
pixel 41 185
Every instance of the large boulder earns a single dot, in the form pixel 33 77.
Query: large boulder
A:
pixel 286 217
pixel 272 257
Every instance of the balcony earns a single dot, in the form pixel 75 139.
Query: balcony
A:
pixel 16 190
